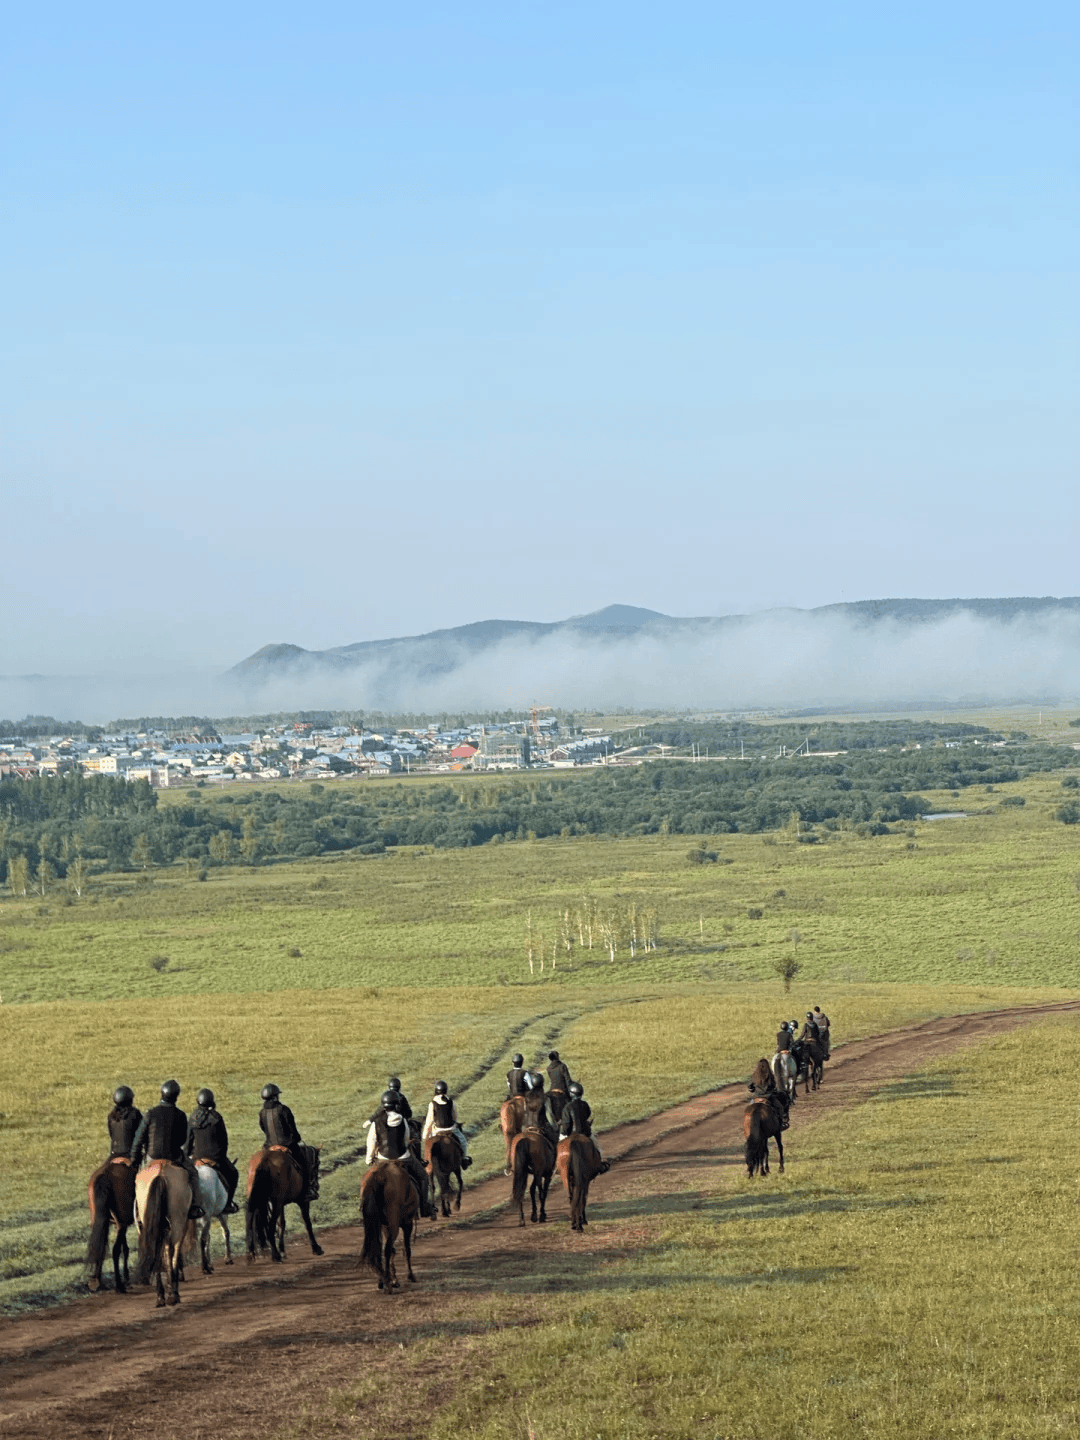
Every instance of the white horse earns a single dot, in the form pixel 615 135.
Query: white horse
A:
pixel 213 1197
pixel 785 1073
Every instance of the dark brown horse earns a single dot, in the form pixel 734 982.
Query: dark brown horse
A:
pixel 444 1162
pixel 112 1201
pixel 511 1114
pixel 810 1060
pixel 388 1205
pixel 274 1181
pixel 579 1165
pixel 163 1198
pixel 762 1119
pixel 531 1154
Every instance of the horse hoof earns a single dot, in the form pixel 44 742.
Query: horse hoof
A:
pixel 95 1285
pixel 380 1284
pixel 317 1250
pixel 121 1288
pixel 229 1261
pixel 160 1304
pixel 173 1300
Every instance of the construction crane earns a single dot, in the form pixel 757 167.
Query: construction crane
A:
pixel 534 718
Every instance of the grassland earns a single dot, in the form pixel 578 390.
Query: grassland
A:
pixel 908 1278
pixel 330 974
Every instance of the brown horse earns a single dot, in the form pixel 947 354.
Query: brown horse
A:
pixel 579 1165
pixel 274 1181
pixel 443 1163
pixel 763 1081
pixel 162 1201
pixel 762 1119
pixel 112 1200
pixel 511 1114
pixel 810 1060
pixel 531 1154
pixel 388 1204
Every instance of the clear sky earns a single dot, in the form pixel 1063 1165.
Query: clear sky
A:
pixel 333 323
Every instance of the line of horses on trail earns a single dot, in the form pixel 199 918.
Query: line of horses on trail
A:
pixel 158 1198
pixel 775 1085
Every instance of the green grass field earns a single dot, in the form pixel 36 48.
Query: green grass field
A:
pixel 907 1278
pixel 329 975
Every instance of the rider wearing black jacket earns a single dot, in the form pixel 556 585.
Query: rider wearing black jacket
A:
pixel 123 1121
pixel 559 1082
pixel 388 1139
pixel 515 1077
pixel 208 1139
pixel 162 1135
pixel 277 1124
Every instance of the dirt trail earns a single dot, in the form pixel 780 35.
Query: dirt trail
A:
pixel 249 1338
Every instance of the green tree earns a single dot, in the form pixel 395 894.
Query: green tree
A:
pixel 44 875
pixel 221 847
pixel 140 852
pixel 18 874
pixel 76 876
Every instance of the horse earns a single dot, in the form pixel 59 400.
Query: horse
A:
pixel 810 1064
pixel 162 1201
pixel 274 1181
pixel 444 1162
pixel 511 1114
pixel 762 1081
pixel 111 1193
pixel 579 1165
pixel 213 1196
pixel 761 1119
pixel 388 1204
pixel 531 1154
pixel 785 1073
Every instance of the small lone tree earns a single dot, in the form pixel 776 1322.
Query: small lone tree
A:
pixel 787 967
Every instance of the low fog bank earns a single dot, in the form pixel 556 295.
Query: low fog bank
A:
pixel 779 660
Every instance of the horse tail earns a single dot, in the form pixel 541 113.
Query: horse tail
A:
pixel 373 1211
pixel 581 1173
pixel 155 1226
pixel 757 1142
pixel 100 1194
pixel 521 1171
pixel 259 1210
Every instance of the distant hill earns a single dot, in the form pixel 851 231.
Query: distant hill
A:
pixel 439 652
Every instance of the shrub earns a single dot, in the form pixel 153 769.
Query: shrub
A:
pixel 1071 782
pixel 1014 800
pixel 160 963
pixel 1069 813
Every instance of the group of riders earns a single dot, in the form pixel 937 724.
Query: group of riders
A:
pixel 806 1048
pixel 165 1132
pixel 791 1039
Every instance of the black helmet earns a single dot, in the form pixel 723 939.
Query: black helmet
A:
pixel 809 1014
pixel 577 1089
pixel 270 1092
pixel 205 1099
pixel 389 1100
pixel 393 1083
pixel 170 1091
pixel 123 1095
pixel 553 1054
pixel 517 1060
pixel 537 1080
pixel 441 1087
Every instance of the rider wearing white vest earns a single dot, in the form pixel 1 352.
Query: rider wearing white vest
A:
pixel 388 1139
pixel 442 1119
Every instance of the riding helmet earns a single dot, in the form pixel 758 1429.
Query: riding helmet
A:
pixel 441 1087
pixel 577 1089
pixel 270 1092
pixel 517 1060
pixel 171 1090
pixel 809 1014
pixel 389 1100
pixel 205 1099
pixel 123 1095
pixel 393 1083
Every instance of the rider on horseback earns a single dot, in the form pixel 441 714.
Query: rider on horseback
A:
pixel 515 1076
pixel 388 1139
pixel 576 1119
pixel 809 1030
pixel 123 1122
pixel 784 1037
pixel 559 1082
pixel 277 1124
pixel 208 1139
pixel 822 1023
pixel 442 1119
pixel 162 1134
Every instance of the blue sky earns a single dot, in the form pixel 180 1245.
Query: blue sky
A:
pixel 330 325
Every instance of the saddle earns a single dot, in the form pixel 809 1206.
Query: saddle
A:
pixel 203 1162
pixel 119 1160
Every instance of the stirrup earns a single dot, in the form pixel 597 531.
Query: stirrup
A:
pixel 196 1212
pixel 232 1208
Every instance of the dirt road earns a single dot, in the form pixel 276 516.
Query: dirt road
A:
pixel 249 1339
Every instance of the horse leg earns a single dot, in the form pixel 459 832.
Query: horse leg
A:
pixel 204 1245
pixel 389 1268
pixel 174 1256
pixel 780 1149
pixel 406 1240
pixel 305 1211
pixel 120 1247
pixel 545 1182
pixel 277 1216
pixel 460 1188
pixel 160 1291
pixel 228 1240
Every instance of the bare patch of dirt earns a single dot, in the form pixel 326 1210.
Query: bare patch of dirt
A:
pixel 252 1344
